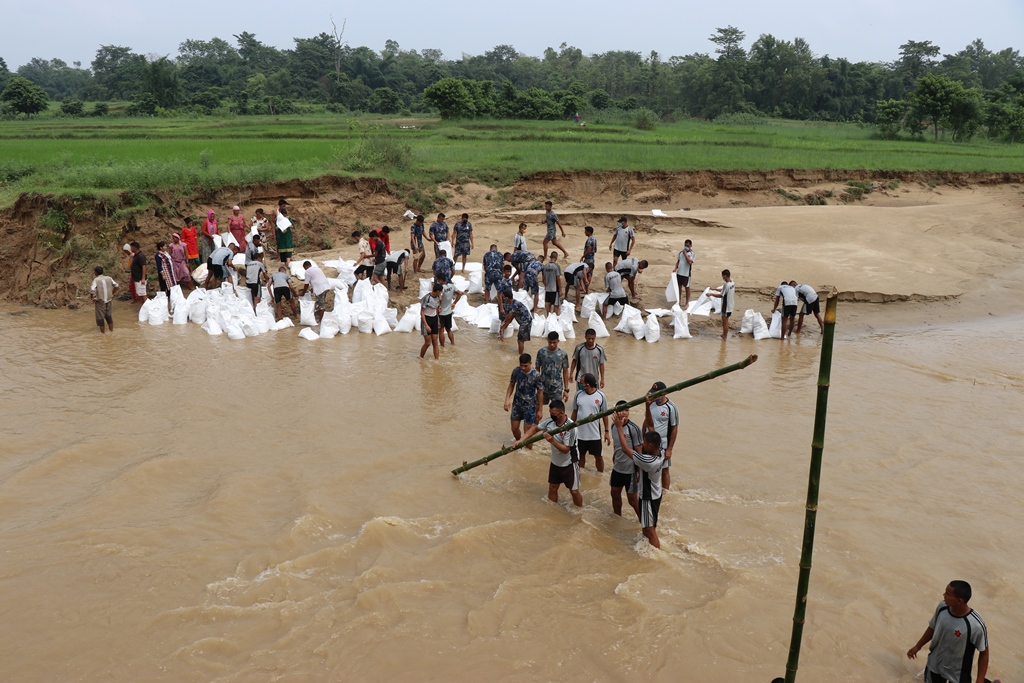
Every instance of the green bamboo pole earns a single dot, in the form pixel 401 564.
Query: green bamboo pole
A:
pixel 597 416
pixel 813 481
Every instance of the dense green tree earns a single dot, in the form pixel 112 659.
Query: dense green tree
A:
pixel 384 101
pixel 72 106
pixel 160 79
pixel 24 97
pixel 55 77
pixel 451 98
pixel 889 115
pixel 730 91
pixel 933 99
pixel 118 72
pixel 916 59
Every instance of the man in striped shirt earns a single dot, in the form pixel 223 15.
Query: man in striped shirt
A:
pixel 649 462
pixel 663 417
pixel 565 466
pixel 623 470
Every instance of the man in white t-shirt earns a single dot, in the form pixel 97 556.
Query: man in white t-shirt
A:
pixel 102 292
pixel 684 265
pixel 590 401
pixel 649 461
pixel 789 303
pixel 565 466
pixel 622 242
pixel 317 281
pixel 663 417
pixel 812 304
pixel 727 293
pixel 956 632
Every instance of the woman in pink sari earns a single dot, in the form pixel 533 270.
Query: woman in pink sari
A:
pixel 179 261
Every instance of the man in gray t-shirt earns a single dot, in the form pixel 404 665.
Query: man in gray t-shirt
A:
pixel 616 294
pixel 552 223
pixel 552 273
pixel 588 358
pixel 812 304
pixel 623 469
pixel 565 466
pixel 789 304
pixel 956 632
pixel 629 268
pixel 623 241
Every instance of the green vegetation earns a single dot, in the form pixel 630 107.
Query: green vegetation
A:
pixel 101 156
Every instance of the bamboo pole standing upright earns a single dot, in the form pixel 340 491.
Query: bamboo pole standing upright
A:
pixel 813 481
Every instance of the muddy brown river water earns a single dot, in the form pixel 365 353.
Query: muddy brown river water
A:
pixel 177 507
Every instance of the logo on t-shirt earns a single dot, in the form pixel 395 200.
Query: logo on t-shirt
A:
pixel 956 633
pixel 663 413
pixel 597 401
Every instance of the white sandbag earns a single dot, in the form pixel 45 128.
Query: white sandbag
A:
pixel 391 315
pixel 590 302
pixel 471 266
pixel 212 327
pixel 484 314
pixel 283 323
pixel 158 310
pixel 218 241
pixel 680 323
pixel 181 313
pixel 340 298
pixel 537 327
pixel 337 283
pixel 380 325
pixel 380 293
pixel 154 316
pixel 464 310
pixel 227 239
pixel 511 329
pixel 238 260
pixel 760 328
pixel 364 322
pixel 426 286
pixel 637 326
pixel 200 273
pixel 263 325
pixel 614 309
pixel 775 328
pixel 623 325
pixel 461 283
pixel 659 312
pixel 307 333
pixel 197 311
pixel 297 270
pixel 495 325
pixel 249 327
pixel 446 248
pixel 408 321
pixel 653 331
pixel 553 324
pixel 329 327
pixel 567 311
pixel 174 296
pixel 144 311
pixel 747 324
pixel 702 306
pixel 307 313
pixel 362 291
pixel 597 324
pixel 344 319
pixel 672 289
pixel 476 280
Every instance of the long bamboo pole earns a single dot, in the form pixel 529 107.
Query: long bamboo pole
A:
pixel 597 416
pixel 813 481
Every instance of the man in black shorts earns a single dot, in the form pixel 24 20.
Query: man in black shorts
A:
pixel 649 461
pixel 281 286
pixel 590 401
pixel 219 265
pixel 565 467
pixel 812 304
pixel 789 303
pixel 616 294
pixel 396 264
pixel 623 469
pixel 552 274
pixel 629 269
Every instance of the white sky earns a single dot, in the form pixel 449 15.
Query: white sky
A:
pixel 861 30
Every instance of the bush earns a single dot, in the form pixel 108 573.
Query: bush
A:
pixel 72 106
pixel 378 151
pixel 645 119
pixel 100 109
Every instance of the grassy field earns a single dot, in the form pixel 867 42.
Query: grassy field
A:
pixel 102 155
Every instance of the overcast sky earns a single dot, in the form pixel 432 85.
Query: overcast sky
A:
pixel 860 30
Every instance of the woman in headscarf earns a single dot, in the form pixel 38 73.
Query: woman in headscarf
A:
pixel 210 229
pixel 179 261
pixel 164 268
pixel 237 226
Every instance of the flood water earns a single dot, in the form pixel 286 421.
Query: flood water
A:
pixel 179 507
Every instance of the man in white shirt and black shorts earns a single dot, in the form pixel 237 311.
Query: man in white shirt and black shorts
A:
pixel 789 303
pixel 812 304
pixel 663 417
pixel 565 466
pixel 649 463
pixel 623 469
pixel 590 401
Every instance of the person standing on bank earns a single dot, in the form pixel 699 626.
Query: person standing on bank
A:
pixel 190 238
pixel 416 244
pixel 551 236
pixel 727 293
pixel 463 230
pixel 210 228
pixel 164 268
pixel 622 242
pixel 956 632
pixel 102 292
pixel 138 274
pixel 179 262
pixel 565 467
pixel 283 233
pixel 237 226
pixel 684 265
pixel 438 233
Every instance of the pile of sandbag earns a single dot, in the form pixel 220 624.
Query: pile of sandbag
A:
pixel 227 310
pixel 753 323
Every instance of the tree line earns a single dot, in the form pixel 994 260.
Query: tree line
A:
pixel 962 91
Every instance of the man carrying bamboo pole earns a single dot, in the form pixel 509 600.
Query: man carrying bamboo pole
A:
pixel 663 418
pixel 623 469
pixel 649 462
pixel 565 466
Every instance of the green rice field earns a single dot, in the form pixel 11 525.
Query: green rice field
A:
pixel 108 154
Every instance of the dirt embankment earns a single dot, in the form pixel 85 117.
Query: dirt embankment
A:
pixel 51 243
